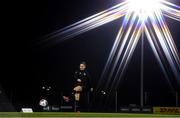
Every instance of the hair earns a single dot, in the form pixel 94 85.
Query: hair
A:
pixel 84 63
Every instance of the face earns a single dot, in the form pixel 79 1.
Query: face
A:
pixel 82 67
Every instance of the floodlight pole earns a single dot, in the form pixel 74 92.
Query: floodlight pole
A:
pixel 177 104
pixel 142 71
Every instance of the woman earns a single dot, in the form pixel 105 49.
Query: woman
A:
pixel 82 85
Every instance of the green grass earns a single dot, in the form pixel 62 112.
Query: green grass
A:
pixel 83 115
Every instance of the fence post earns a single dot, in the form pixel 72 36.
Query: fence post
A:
pixel 116 102
pixel 145 95
pixel 177 104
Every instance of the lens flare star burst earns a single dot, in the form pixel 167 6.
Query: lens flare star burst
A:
pixel 144 8
pixel 139 16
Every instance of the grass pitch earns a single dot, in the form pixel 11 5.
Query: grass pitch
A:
pixel 82 115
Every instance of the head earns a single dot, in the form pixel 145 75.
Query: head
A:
pixel 82 66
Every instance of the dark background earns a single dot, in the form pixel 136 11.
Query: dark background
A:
pixel 28 68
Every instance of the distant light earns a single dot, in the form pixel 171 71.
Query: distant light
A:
pixel 103 92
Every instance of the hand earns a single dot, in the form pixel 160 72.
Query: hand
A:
pixel 78 88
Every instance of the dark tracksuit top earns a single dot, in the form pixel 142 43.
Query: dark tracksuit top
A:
pixel 82 78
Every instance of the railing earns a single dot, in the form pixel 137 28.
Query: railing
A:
pixel 97 102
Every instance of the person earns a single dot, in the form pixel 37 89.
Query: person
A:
pixel 82 85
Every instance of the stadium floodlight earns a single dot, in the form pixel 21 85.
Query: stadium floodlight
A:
pixel 144 8
pixel 140 17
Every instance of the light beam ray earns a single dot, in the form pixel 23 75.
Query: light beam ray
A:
pixel 156 50
pixel 95 16
pixel 114 48
pixel 127 54
pixel 171 10
pixel 168 38
pixel 124 39
pixel 164 45
pixel 126 57
pixel 87 24
pixel 169 4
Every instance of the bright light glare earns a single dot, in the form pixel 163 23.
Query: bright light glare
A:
pixel 139 16
pixel 144 8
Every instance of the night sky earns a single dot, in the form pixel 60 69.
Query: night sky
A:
pixel 29 67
